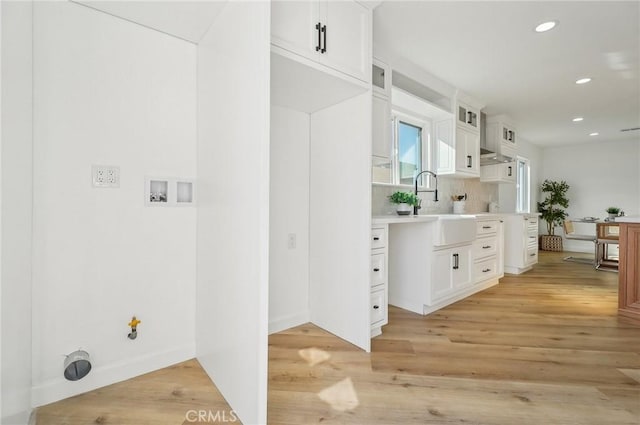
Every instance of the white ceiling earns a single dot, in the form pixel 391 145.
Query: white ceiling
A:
pixel 490 51
pixel 188 20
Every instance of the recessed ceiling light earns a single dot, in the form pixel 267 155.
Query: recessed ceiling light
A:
pixel 583 80
pixel 546 26
pixel 595 133
pixel 576 119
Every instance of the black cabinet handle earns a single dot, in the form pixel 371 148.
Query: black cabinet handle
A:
pixel 486 247
pixel 470 119
pixel 375 238
pixel 510 171
pixel 324 31
pixel 376 270
pixel 319 37
pixel 375 307
pixel 486 227
pixel 456 261
pixel 532 255
pixel 486 270
pixel 469 161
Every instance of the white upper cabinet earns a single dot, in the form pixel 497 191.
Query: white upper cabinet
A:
pixel 498 173
pixel 335 34
pixel 458 142
pixel 467 152
pixel 501 136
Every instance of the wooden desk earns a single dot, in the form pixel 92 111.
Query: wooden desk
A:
pixel 607 233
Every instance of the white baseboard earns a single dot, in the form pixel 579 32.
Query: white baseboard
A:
pixel 100 376
pixel 287 322
pixel 21 418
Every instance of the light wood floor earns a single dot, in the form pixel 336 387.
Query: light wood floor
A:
pixel 545 347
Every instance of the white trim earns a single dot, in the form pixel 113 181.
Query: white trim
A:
pixel 290 321
pixel 57 389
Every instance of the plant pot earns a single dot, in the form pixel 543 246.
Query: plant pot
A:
pixel 551 243
pixel 404 209
pixel 612 217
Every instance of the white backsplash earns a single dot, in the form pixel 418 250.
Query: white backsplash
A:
pixel 479 195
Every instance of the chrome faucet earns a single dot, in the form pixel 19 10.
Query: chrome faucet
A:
pixel 435 176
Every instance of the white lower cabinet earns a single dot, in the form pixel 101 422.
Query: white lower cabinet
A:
pixel 379 278
pixel 451 272
pixel 488 250
pixel 521 243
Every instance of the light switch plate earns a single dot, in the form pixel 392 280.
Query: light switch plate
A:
pixel 105 176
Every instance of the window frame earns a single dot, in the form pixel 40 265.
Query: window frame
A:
pixel 426 141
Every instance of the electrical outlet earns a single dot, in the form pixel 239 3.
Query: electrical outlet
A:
pixel 105 176
pixel 291 241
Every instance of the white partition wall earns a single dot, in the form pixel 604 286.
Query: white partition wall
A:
pixel 340 211
pixel 15 212
pixel 108 91
pixel 233 211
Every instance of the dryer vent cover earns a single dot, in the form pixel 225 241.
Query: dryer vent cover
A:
pixel 77 365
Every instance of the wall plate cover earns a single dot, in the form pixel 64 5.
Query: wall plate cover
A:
pixel 105 176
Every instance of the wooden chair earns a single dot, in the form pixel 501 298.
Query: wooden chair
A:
pixel 569 233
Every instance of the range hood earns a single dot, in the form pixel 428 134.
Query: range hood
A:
pixel 488 157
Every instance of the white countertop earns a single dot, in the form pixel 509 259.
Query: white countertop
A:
pixel 628 219
pixel 391 219
pixel 394 219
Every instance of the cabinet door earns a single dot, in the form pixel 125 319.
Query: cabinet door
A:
pixel 441 283
pixel 467 152
pixel 445 147
pixel 508 172
pixel 461 269
pixel 468 117
pixel 347 38
pixel 293 27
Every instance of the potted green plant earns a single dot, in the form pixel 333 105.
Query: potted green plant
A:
pixel 613 212
pixel 405 202
pixel 552 210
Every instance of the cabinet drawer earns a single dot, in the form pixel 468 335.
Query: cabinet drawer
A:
pixel 378 308
pixel 532 224
pixel 531 255
pixel 485 247
pixel 378 269
pixel 378 237
pixel 485 269
pixel 487 227
pixel 531 239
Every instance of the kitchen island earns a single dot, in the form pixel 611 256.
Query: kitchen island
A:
pixel 629 268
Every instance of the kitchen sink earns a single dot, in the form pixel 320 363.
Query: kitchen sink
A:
pixel 453 229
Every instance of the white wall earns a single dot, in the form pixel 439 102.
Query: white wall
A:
pixel 507 192
pixel 109 92
pixel 233 211
pixel 601 175
pixel 289 214
pixel 16 207
pixel 340 224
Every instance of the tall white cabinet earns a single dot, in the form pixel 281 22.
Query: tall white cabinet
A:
pixel 321 66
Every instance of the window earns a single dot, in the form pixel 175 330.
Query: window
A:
pixel 523 185
pixel 411 148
